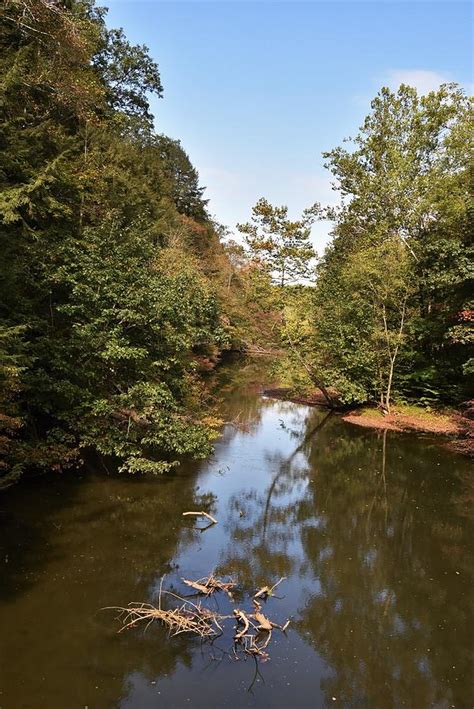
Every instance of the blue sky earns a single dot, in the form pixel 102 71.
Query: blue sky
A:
pixel 256 91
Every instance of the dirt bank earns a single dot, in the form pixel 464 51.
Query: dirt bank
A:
pixel 458 425
pixel 400 420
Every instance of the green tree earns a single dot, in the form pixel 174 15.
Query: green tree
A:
pixel 100 322
pixel 183 178
pixel 128 72
pixel 403 181
pixel 282 245
pixel 359 338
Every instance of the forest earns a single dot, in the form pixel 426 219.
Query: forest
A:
pixel 119 290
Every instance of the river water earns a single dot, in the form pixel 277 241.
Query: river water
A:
pixel 372 532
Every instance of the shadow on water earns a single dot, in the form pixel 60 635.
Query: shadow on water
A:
pixel 27 525
pixel 377 537
pixel 70 547
pixel 372 531
pixel 392 555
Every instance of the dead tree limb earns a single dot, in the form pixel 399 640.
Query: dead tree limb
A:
pixel 266 591
pixel 201 514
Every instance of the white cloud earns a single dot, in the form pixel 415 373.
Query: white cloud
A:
pixel 423 80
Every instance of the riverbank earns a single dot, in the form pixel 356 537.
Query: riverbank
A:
pixel 406 418
pixel 456 424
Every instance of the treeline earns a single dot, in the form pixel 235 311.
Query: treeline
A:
pixel 393 309
pixel 114 282
pixel 116 286
pixel 390 314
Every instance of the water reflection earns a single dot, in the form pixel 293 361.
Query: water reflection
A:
pixel 372 531
pixel 391 559
pixel 70 548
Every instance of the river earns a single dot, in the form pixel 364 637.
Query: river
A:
pixel 372 531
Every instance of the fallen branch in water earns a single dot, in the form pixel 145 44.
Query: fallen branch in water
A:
pixel 201 514
pixel 187 618
pixel 184 619
pixel 250 642
pixel 252 632
pixel 267 591
pixel 239 425
pixel 198 587
pixel 209 585
pixel 262 620
pixel 241 620
pixel 251 647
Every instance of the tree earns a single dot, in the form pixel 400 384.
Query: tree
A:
pixel 183 178
pixel 404 182
pixel 98 333
pixel 282 245
pixel 236 259
pixel 129 74
pixel 358 339
pixel 389 179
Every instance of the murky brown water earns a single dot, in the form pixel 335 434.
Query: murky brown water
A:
pixel 373 533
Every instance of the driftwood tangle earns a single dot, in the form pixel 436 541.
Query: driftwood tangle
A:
pixel 252 631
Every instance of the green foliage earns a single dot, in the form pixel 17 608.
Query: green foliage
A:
pixel 13 362
pixel 128 72
pixel 114 283
pixel 358 339
pixel 281 245
pixel 119 344
pixel 106 243
pixel 186 193
pixel 391 303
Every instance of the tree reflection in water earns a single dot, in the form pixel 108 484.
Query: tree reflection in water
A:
pixel 371 530
pixel 372 536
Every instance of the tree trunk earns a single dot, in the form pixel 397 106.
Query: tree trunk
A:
pixel 311 373
pixel 389 383
pixel 393 354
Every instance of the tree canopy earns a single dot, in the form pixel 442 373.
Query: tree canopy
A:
pixel 116 285
pixel 105 304
pixel 394 286
pixel 283 246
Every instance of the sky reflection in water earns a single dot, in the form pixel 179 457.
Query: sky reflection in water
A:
pixel 371 530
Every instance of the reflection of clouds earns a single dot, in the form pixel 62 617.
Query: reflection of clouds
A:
pixel 370 558
pixel 325 553
pixel 371 552
pixel 266 522
pixel 383 591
